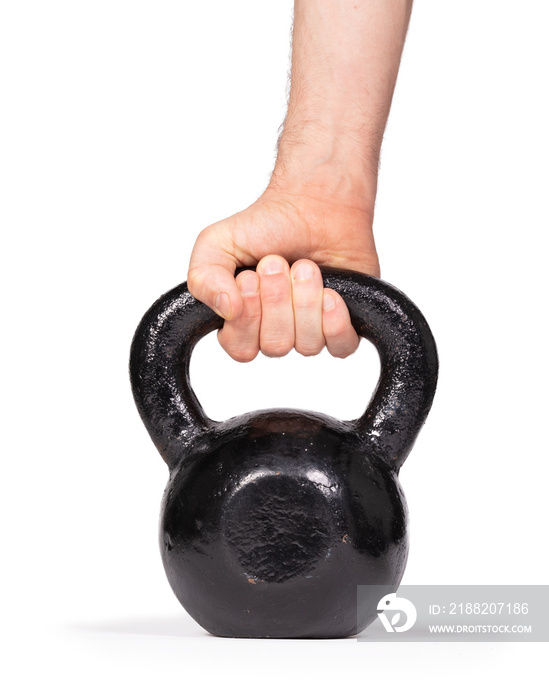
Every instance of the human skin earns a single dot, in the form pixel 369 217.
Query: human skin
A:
pixel 318 207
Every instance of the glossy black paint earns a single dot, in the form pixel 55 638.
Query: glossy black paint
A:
pixel 270 520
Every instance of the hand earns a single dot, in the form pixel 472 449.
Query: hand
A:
pixel 319 204
pixel 279 307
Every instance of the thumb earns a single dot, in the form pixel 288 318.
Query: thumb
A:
pixel 211 280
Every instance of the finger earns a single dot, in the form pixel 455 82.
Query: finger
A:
pixel 276 337
pixel 211 276
pixel 307 289
pixel 240 338
pixel 341 337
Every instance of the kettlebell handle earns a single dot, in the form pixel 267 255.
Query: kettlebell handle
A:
pixel 164 340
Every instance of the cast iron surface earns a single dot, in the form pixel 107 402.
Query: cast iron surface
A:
pixel 270 520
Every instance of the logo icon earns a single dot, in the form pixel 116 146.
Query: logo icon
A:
pixel 391 604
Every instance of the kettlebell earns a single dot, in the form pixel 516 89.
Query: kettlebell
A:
pixel 270 520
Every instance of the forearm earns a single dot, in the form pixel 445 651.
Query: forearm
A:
pixel 345 59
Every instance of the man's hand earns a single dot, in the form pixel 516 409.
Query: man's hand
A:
pixel 283 304
pixel 318 207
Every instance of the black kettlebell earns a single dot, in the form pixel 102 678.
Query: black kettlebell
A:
pixel 272 519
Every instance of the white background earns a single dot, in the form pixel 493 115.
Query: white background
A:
pixel 126 127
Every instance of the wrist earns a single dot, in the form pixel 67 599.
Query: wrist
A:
pixel 326 164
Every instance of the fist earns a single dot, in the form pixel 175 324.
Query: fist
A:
pixel 287 307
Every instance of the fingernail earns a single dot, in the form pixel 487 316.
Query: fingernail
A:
pixel 303 272
pixel 249 285
pixel 328 302
pixel 273 266
pixel 223 305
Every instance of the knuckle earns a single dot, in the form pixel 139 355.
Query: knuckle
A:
pixel 276 348
pixel 197 284
pixel 336 329
pixel 207 233
pixel 244 354
pixel 340 352
pixel 239 351
pixel 308 349
pixel 193 281
pixel 305 302
pixel 344 348
pixel 223 340
pixel 275 291
pixel 253 315
pixel 334 332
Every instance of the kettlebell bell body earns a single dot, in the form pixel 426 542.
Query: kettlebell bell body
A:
pixel 272 519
